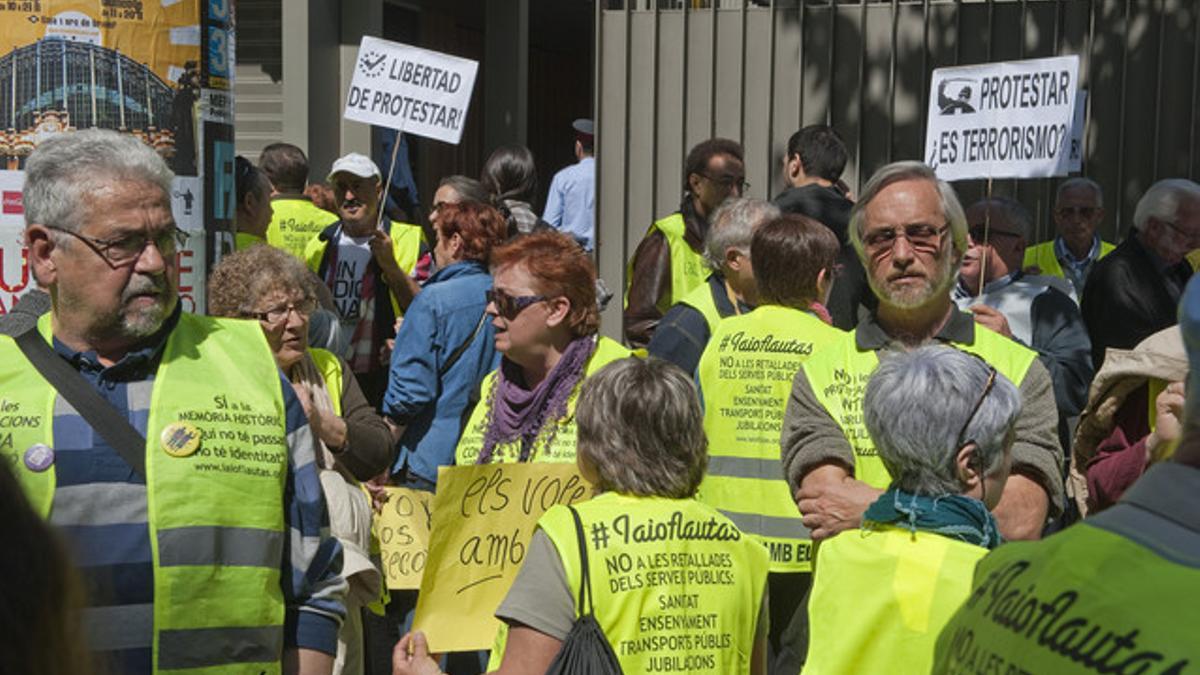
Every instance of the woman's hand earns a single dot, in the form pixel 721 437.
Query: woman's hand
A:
pixel 327 426
pixel 411 656
pixel 377 488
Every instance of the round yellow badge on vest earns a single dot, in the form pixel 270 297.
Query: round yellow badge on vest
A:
pixel 180 439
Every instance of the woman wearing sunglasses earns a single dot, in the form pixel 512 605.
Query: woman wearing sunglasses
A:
pixel 266 284
pixel 543 309
pixel 942 421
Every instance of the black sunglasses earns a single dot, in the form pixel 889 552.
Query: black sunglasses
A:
pixel 509 306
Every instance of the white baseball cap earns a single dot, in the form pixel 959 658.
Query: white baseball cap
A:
pixel 355 164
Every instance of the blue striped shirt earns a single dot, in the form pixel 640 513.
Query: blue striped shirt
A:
pixel 100 507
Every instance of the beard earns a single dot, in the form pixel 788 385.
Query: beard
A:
pixel 144 321
pixel 916 295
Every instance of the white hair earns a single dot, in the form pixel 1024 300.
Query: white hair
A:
pixel 66 167
pixel 915 406
pixel 732 226
pixel 952 209
pixel 1081 182
pixel 1162 200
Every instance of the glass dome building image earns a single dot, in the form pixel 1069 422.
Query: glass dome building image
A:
pixel 56 85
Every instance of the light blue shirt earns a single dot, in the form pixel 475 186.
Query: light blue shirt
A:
pixel 571 203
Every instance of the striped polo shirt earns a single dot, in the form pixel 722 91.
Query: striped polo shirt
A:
pixel 100 507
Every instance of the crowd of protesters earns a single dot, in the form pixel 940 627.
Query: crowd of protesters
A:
pixel 882 401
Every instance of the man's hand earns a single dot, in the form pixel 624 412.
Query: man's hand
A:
pixel 831 501
pixel 381 250
pixel 991 318
pixel 1168 425
pixel 1021 513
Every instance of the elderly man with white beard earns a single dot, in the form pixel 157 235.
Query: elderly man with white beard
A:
pixel 910 232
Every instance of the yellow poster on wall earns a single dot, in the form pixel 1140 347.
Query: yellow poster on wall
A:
pixel 483 518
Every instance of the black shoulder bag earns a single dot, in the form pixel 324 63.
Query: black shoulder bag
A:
pixel 586 650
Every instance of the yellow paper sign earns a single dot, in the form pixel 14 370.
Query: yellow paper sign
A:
pixel 483 518
pixel 403 530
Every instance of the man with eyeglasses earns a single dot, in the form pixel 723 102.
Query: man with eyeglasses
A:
pixel 911 232
pixel 669 263
pixel 369 265
pixel 1078 211
pixel 1037 311
pixel 1135 289
pixel 180 524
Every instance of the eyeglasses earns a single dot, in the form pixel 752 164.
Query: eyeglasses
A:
pixel 125 250
pixel 987 389
pixel 280 313
pixel 509 306
pixel 1085 212
pixel 729 181
pixel 978 234
pixel 921 236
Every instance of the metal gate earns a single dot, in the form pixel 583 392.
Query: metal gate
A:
pixel 670 74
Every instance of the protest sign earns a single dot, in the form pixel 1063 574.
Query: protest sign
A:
pixel 403 530
pixel 483 518
pixel 1002 120
pixel 414 90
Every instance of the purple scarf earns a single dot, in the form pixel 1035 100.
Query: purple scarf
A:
pixel 515 412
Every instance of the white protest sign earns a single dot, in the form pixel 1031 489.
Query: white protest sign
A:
pixel 1002 120
pixel 411 89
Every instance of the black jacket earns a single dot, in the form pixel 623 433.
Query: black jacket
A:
pixel 1127 299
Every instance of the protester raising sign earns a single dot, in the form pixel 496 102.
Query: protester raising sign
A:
pixel 1002 120
pixel 411 89
pixel 483 518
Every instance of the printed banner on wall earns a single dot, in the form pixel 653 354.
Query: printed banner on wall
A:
pixel 134 66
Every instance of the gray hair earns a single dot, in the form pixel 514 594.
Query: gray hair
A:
pixel 915 406
pixel 952 210
pixel 66 167
pixel 1080 182
pixel 732 226
pixel 640 427
pixel 1162 200
pixel 468 189
pixel 1012 210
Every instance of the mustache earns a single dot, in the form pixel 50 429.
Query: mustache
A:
pixel 350 203
pixel 144 285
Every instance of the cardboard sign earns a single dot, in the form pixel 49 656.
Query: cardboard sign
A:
pixel 1002 120
pixel 414 90
pixel 483 519
pixel 403 530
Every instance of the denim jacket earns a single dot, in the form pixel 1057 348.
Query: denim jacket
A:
pixel 440 319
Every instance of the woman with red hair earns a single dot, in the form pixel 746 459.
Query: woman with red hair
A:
pixel 543 309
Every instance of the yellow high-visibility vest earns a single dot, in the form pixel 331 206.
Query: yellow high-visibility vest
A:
pixel 839 373
pixel 216 554
pixel 294 223
pixel 745 376
pixel 407 240
pixel 1043 256
pixel 881 596
pixel 701 299
pixel 676 586
pixel 688 268
pixel 557 440
pixel 1115 593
